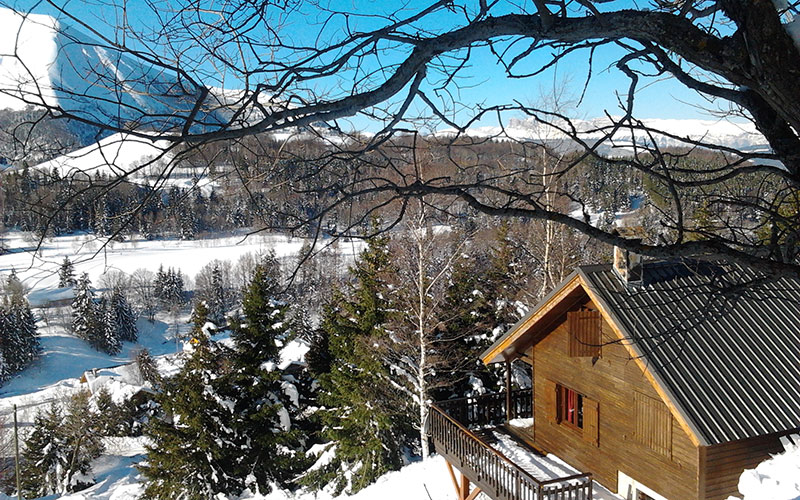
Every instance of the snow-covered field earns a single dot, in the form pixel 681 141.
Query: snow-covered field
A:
pixel 96 256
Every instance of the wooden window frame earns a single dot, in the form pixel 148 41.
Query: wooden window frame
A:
pixel 565 398
pixel 588 410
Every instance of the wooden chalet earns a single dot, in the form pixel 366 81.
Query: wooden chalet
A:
pixel 665 380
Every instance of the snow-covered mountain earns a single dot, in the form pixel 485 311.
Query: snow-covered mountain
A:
pixel 669 133
pixel 115 155
pixel 43 61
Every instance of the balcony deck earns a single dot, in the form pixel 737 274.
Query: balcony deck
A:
pixel 469 433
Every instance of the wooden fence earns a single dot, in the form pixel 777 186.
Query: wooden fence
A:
pixel 497 476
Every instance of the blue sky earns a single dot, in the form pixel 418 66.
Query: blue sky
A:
pixel 482 81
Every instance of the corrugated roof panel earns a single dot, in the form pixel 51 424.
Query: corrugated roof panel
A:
pixel 724 340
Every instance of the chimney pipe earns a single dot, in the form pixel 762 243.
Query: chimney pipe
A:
pixel 627 264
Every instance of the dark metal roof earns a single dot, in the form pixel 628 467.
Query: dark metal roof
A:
pixel 723 341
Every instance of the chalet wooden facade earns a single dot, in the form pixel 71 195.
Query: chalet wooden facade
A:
pixel 664 386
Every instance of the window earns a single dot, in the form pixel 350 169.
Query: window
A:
pixel 570 407
pixel 653 424
pixel 574 410
pixel 585 333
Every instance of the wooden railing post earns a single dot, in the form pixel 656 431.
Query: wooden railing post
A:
pixel 490 470
pixel 509 410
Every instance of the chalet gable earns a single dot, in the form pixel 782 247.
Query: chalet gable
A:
pixel 719 345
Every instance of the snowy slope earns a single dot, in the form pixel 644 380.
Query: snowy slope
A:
pixel 43 61
pixel 115 155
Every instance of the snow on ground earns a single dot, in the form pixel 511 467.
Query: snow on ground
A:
pixel 38 267
pixel 777 478
pixel 543 467
pixel 118 480
pixel 65 358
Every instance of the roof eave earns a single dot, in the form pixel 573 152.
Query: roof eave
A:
pixel 494 354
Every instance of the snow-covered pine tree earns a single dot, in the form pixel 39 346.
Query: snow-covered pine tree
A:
pixel 43 454
pixel 197 451
pixel 480 301
pixel 66 273
pixel 123 317
pixel 13 287
pixel 109 340
pixel 367 431
pixel 6 333
pixel 102 217
pixel 265 400
pixel 159 282
pixel 87 322
pixel 83 443
pixel 187 219
pixel 21 345
pixel 147 368
pixel 171 288
pixel 217 300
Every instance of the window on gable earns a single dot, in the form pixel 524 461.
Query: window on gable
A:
pixel 585 333
pixel 570 407
pixel 653 424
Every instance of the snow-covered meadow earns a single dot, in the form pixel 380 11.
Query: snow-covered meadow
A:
pixel 37 264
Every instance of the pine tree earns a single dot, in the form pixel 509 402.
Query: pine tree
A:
pixel 172 288
pixel 480 301
pixel 66 274
pixel 197 452
pixel 84 310
pixel 88 320
pixel 159 282
pixel 108 341
pixel 58 453
pixel 217 300
pixel 122 316
pixel 264 399
pixel 359 417
pixel 43 454
pixel 112 419
pixel 20 343
pixel 147 368
pixel 83 443
pixel 14 287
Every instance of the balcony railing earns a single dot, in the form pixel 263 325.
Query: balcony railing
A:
pixel 496 475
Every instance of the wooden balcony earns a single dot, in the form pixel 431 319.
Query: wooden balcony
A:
pixel 452 425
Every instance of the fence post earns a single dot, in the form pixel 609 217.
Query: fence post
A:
pixel 16 454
